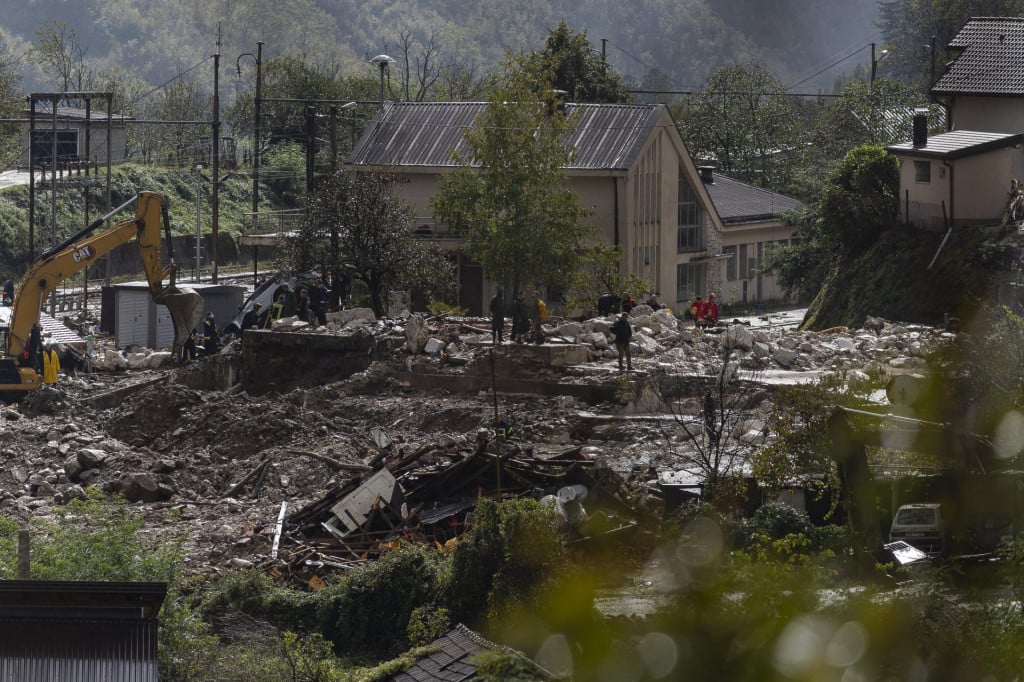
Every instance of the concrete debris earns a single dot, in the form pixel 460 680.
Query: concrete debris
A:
pixel 221 462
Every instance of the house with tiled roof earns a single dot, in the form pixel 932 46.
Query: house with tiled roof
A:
pixel 632 173
pixel 983 85
pixel 963 176
pixel 452 658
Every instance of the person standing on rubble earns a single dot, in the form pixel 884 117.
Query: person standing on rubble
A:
pixel 623 332
pixel 321 295
pixel 303 308
pixel 211 339
pixel 697 312
pixel 284 302
pixel 251 318
pixel 538 313
pixel 9 292
pixel 498 316
pixel 710 311
pixel 627 302
pixel 520 320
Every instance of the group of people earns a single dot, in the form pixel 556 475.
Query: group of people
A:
pixel 608 303
pixel 704 311
pixel 527 317
pixel 309 306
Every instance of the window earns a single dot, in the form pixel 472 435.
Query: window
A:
pixel 689 218
pixel 743 261
pixel 688 281
pixel 730 263
pixel 922 171
pixel 67 145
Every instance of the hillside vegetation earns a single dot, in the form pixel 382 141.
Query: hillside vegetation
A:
pixel 673 44
pixel 892 280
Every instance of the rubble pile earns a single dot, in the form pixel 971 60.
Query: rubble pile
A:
pixel 219 464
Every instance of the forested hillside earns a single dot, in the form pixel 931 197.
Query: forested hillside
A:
pixel 664 43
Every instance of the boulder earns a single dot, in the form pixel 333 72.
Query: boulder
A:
pixel 737 336
pixel 416 334
pixel 144 487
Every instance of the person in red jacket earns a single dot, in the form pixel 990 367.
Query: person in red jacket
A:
pixel 711 311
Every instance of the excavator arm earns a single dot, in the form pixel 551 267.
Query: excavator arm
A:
pixel 82 250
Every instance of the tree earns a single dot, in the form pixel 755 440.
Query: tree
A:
pixel 743 122
pixel 356 217
pixel 61 57
pixel 860 200
pixel 10 101
pixel 709 437
pixel 863 114
pixel 601 273
pixel 578 68
pixel 510 199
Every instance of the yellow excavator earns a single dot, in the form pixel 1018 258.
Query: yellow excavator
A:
pixel 22 343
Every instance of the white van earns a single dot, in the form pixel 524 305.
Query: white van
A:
pixel 920 525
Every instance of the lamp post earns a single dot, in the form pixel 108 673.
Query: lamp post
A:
pixel 257 105
pixel 875 62
pixel 382 61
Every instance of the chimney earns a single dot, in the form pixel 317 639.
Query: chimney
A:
pixel 707 174
pixel 920 127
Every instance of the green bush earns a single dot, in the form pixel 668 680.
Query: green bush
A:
pixel 253 594
pixel 368 613
pixel 512 552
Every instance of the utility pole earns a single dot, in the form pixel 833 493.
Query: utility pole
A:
pixel 310 145
pixel 215 198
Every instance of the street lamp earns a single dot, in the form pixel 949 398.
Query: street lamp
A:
pixel 382 61
pixel 257 103
pixel 875 62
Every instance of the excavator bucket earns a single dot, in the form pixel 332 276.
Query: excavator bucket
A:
pixel 186 309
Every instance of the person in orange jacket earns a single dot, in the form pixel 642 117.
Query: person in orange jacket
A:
pixel 697 311
pixel 711 311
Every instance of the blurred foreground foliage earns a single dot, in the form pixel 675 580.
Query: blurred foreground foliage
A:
pixel 769 597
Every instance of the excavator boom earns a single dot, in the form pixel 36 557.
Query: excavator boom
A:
pixel 17 374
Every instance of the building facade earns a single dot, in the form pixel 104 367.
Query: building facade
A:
pixel 632 173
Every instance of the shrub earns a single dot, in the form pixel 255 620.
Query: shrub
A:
pixel 509 555
pixel 368 613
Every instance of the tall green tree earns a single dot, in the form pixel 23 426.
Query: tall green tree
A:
pixel 358 224
pixel 742 122
pixel 510 199
pixel 11 101
pixel 578 68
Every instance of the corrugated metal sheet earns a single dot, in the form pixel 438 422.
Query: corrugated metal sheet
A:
pixel 425 134
pixel 73 650
pixel 68 631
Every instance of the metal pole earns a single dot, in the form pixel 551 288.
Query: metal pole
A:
pixel 874 64
pixel 31 179
pixel 256 154
pixel 199 224
pixel 214 194
pixel 310 145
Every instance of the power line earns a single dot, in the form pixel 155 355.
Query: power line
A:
pixel 835 63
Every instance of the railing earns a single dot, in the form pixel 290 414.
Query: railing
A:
pixel 428 227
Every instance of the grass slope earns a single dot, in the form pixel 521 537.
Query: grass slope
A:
pixel 892 280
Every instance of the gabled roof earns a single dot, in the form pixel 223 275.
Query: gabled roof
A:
pixel 453 659
pixel 738 202
pixel 424 134
pixel 957 144
pixel 992 61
